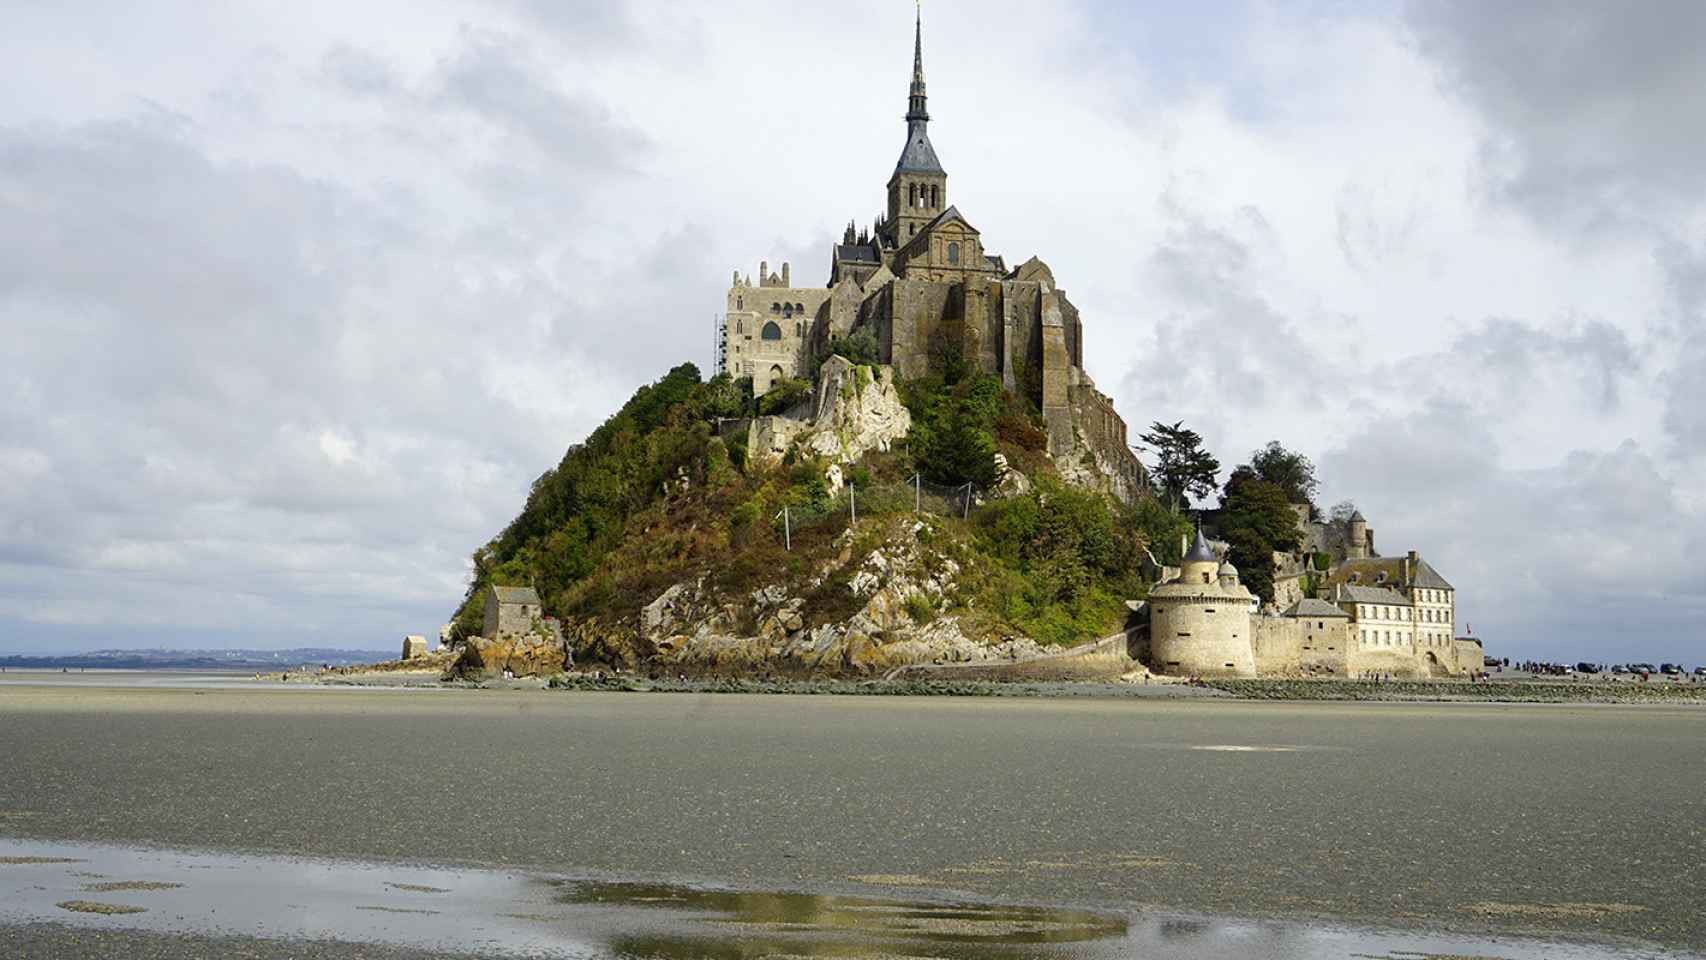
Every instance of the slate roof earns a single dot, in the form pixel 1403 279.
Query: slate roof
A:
pixel 919 156
pixel 1370 569
pixel 1361 594
pixel 1427 576
pixel 1200 551
pixel 856 253
pixel 516 595
pixel 1310 607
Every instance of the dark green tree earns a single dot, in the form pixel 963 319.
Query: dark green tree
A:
pixel 1257 521
pixel 1290 471
pixel 1182 467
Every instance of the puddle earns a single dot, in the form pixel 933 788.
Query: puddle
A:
pixel 511 913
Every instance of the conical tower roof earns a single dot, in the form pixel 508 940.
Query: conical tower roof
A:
pixel 1200 551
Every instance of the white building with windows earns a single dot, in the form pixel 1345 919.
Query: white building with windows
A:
pixel 1403 606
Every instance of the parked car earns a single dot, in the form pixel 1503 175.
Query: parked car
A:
pixel 1670 669
pixel 1491 662
pixel 1700 671
pixel 1585 667
pixel 1619 668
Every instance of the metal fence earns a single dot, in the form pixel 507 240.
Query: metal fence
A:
pixel 916 495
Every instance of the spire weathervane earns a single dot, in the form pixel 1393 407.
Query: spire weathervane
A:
pixel 915 103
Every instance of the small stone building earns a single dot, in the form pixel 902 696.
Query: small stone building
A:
pixel 414 647
pixel 511 612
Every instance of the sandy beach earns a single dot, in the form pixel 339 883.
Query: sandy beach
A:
pixel 1582 822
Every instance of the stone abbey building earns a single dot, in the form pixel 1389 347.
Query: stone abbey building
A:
pixel 921 282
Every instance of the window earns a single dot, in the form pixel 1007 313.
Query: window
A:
pixel 787 309
pixel 772 331
pixel 799 329
pixel 775 308
pixel 740 327
pixel 740 303
pixel 953 252
pixel 799 308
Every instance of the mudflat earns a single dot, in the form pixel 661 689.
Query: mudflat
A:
pixel 1585 821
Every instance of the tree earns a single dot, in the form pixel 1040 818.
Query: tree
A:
pixel 1257 521
pixel 1290 471
pixel 1182 467
pixel 1342 512
pixel 960 450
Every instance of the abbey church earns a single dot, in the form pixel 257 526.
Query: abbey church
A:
pixel 921 282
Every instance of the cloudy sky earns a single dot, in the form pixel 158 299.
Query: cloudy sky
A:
pixel 297 300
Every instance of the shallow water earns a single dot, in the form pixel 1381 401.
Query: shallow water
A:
pixel 501 913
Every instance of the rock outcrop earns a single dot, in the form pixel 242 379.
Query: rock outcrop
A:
pixel 855 410
pixel 529 655
pixel 896 591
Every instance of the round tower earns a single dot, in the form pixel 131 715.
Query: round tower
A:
pixel 1357 548
pixel 1228 574
pixel 1199 624
pixel 1200 564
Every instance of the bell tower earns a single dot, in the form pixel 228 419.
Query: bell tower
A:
pixel 918 190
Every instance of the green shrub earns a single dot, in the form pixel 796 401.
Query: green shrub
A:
pixel 859 348
pixel 784 395
pixel 920 609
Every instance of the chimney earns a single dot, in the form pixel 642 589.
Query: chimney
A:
pixel 785 273
pixel 1409 566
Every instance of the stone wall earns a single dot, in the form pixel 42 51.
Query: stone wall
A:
pixel 1470 657
pixel 1107 659
pixel 1298 646
pixel 1022 348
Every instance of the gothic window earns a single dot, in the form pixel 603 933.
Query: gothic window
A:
pixel 935 197
pixel 772 331
pixel 953 253
pixel 740 327
pixel 799 329
pixel 740 303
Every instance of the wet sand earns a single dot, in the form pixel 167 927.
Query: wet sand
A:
pixel 1583 821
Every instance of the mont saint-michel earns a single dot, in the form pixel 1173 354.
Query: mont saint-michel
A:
pixel 1245 511
pixel 1007 529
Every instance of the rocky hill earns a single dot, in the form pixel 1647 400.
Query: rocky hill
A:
pixel 691 535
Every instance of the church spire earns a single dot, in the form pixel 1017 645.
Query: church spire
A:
pixel 915 103
pixel 919 156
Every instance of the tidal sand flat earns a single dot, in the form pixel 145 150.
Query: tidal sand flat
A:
pixel 310 906
pixel 1465 823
